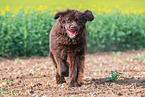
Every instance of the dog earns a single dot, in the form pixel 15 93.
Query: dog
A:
pixel 68 45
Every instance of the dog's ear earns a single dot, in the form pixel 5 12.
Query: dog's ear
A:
pixel 60 13
pixel 88 15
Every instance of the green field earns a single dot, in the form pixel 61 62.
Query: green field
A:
pixel 85 4
pixel 25 25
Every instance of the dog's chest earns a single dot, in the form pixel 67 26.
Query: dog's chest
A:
pixel 70 50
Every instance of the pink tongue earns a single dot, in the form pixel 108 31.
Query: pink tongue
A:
pixel 71 34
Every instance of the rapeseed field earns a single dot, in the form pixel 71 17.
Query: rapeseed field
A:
pixel 25 25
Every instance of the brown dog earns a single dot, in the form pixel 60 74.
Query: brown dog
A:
pixel 68 44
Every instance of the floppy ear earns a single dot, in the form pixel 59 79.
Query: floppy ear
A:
pixel 88 16
pixel 60 13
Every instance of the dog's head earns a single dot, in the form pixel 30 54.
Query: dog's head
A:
pixel 73 21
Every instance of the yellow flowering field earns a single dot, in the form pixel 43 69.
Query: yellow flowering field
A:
pixel 96 5
pixel 25 25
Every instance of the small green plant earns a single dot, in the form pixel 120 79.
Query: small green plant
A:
pixel 18 61
pixel 142 58
pixel 8 81
pixel 4 92
pixel 12 94
pixel 115 76
pixel 117 54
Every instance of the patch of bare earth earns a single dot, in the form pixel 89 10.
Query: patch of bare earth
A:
pixel 35 76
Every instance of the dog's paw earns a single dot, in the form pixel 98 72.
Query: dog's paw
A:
pixel 75 84
pixel 60 80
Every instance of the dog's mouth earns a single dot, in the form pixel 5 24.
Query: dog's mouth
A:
pixel 71 34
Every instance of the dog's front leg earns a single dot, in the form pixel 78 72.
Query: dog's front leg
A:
pixel 62 70
pixel 76 71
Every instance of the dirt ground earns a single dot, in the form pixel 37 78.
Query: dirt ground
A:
pixel 35 76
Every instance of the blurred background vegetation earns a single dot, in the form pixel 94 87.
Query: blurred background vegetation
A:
pixel 85 4
pixel 119 25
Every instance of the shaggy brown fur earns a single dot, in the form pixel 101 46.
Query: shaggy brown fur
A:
pixel 68 44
